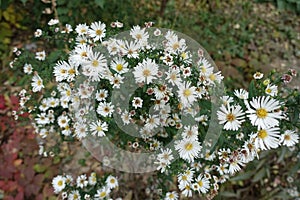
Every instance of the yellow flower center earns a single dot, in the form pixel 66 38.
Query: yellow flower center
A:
pixel 203 69
pixel 188 146
pixel 99 128
pixel 112 181
pixel 138 36
pixel 60 183
pixel 95 63
pixel 106 109
pixel 175 46
pixel 261 113
pixel 212 77
pixel 287 137
pixel 230 117
pixel 83 54
pixel 102 194
pixel 187 92
pixel 146 72
pixel 171 195
pixel 200 183
pixel 71 71
pixel 98 32
pixel 39 82
pixel 262 134
pixel 268 90
pixel 119 67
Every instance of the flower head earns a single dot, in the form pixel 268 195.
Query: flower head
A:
pixel 263 112
pixel 146 71
pixel 231 116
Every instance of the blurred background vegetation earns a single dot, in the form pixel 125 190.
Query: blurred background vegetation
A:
pixel 242 37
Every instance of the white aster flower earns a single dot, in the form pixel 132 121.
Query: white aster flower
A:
pixel 27 68
pixel 102 193
pixel 82 181
pixel 263 112
pixel 93 178
pixel 40 55
pixel 97 31
pixel 130 49
pixel 165 156
pixel 187 94
pixel 289 138
pixel 231 116
pixel 146 71
pixel 98 128
pixel 234 165
pixel 241 94
pixel 152 122
pixel 80 130
pixel 105 109
pixel 271 90
pixel 38 33
pixel 53 22
pixel 119 65
pixel 258 75
pixel 116 80
pixel 190 132
pixel 63 121
pixel 82 29
pixel 203 184
pixel 74 195
pixel 42 119
pixel 126 118
pixel 173 76
pixel 96 63
pixel 68 29
pixel 188 149
pixel 111 182
pixel 101 94
pixel 80 54
pixel 137 102
pixel 64 71
pixel 204 66
pixel 267 138
pixel 171 196
pixel 226 100
pixel 37 83
pixel 58 183
pixel 186 190
pixel 139 34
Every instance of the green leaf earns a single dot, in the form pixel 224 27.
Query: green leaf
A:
pixel 282 154
pixel 39 168
pixel 100 3
pixel 228 194
pixel 243 176
pixel 62 10
pixel 259 175
pixel 252 89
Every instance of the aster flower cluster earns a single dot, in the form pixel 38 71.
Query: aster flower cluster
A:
pixel 150 90
pixel 84 187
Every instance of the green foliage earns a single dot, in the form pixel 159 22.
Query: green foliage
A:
pixel 10 20
pixel 292 5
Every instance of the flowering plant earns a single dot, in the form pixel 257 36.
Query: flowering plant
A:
pixel 152 99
